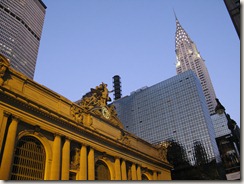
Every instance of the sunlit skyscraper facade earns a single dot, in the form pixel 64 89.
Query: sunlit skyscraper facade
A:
pixel 189 58
pixel 20 32
pixel 174 109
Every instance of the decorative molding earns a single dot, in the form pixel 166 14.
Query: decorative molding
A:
pixel 16 118
pixel 163 149
pixel 124 138
pixel 4 65
pixel 6 114
pixel 77 114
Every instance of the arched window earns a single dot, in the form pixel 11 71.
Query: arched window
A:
pixel 102 171
pixel 144 177
pixel 29 160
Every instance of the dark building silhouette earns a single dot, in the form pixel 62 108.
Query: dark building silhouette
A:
pixel 233 7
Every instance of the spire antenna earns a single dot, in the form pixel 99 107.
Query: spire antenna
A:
pixel 175 14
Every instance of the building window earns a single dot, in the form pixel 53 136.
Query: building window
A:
pixel 101 171
pixel 29 160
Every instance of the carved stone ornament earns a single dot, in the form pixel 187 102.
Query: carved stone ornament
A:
pixel 163 147
pixel 124 138
pixel 77 114
pixel 95 102
pixel 75 159
pixel 4 65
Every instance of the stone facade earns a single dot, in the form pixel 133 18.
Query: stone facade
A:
pixel 45 136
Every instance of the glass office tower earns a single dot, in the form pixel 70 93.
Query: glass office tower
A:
pixel 172 109
pixel 20 32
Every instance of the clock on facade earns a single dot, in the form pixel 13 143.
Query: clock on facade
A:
pixel 105 112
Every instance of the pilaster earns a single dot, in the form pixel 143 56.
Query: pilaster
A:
pixel 133 172
pixel 155 175
pixel 91 164
pixel 83 163
pixel 9 149
pixel 3 124
pixel 55 168
pixel 65 160
pixel 117 169
pixel 138 172
pixel 123 170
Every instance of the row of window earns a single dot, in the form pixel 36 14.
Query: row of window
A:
pixel 20 20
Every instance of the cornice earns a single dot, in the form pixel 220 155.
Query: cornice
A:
pixel 68 121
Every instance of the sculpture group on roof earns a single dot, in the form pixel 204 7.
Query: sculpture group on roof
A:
pixel 97 97
pixel 95 102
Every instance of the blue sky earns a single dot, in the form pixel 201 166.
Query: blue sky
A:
pixel 86 42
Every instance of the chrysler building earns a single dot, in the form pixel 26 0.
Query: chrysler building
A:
pixel 188 57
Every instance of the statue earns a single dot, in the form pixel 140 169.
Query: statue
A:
pixel 104 98
pixel 163 150
pixel 97 97
pixel 95 102
pixel 75 159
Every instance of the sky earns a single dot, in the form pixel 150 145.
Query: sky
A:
pixel 87 42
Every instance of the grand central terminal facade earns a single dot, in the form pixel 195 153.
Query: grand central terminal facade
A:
pixel 44 136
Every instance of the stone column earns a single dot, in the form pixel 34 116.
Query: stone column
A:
pixel 55 167
pixel 91 165
pixel 133 172
pixel 83 163
pixel 138 172
pixel 9 150
pixel 117 169
pixel 65 160
pixel 123 170
pixel 3 123
pixel 155 176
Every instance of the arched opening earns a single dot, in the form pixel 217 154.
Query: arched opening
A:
pixel 102 171
pixel 29 160
pixel 144 177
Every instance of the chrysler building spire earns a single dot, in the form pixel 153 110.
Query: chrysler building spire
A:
pixel 188 58
pixel 180 35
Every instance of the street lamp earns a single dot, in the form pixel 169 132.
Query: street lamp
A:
pixel 235 130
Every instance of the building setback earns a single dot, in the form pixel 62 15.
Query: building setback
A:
pixel 21 27
pixel 172 109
